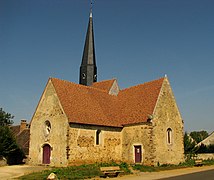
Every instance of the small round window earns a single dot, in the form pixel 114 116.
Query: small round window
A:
pixel 47 127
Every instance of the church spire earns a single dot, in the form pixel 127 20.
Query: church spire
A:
pixel 88 69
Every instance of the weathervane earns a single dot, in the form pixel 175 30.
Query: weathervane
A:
pixel 91 4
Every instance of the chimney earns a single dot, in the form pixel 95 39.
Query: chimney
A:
pixel 23 125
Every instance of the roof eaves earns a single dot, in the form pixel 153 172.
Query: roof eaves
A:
pixel 103 125
pixel 60 104
pixel 158 97
pixel 49 79
pixel 137 123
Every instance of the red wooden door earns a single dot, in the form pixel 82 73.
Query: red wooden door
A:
pixel 138 154
pixel 46 154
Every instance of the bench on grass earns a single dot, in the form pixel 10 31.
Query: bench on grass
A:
pixel 112 171
pixel 198 162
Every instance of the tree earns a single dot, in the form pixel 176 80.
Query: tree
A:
pixel 8 147
pixel 206 149
pixel 189 144
pixel 5 118
pixel 199 136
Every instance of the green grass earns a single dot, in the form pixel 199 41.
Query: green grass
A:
pixel 72 172
pixel 208 162
pixel 76 172
pixel 144 168
pixel 189 163
pixel 93 170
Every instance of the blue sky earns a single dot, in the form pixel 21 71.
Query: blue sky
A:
pixel 136 41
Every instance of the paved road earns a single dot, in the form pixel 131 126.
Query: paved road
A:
pixel 204 175
pixel 10 172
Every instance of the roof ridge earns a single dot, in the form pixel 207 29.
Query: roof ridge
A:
pixel 80 85
pixel 104 85
pixel 14 125
pixel 149 82
pixel 105 80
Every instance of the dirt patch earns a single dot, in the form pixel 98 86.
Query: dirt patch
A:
pixel 11 172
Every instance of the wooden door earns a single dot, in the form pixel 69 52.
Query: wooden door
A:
pixel 138 154
pixel 46 154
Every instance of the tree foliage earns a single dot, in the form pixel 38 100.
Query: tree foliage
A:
pixel 8 146
pixel 206 149
pixel 190 141
pixel 5 118
pixel 7 142
pixel 199 136
pixel 189 144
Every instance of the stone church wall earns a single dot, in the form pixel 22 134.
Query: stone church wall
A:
pixel 167 117
pixel 83 148
pixel 49 110
pixel 137 135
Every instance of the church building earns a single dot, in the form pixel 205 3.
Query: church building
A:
pixel 95 121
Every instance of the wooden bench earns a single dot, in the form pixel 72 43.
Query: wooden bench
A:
pixel 112 171
pixel 198 162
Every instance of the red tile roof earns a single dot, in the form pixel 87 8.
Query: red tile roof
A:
pixel 139 101
pixel 104 85
pixel 93 105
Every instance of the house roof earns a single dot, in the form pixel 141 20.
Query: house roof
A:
pixel 85 104
pixel 23 140
pixel 93 105
pixel 15 130
pixel 138 102
pixel 207 141
pixel 104 85
pixel 22 137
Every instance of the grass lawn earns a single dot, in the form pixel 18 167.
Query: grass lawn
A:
pixel 75 172
pixel 163 167
pixel 93 170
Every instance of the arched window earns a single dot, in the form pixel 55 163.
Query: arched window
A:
pixel 169 136
pixel 98 134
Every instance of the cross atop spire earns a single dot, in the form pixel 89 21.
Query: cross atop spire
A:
pixel 88 69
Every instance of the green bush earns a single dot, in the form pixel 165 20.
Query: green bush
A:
pixel 187 163
pixel 143 168
pixel 208 162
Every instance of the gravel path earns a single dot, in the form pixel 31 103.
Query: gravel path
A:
pixel 11 172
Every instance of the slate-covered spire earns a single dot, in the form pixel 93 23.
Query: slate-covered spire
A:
pixel 88 69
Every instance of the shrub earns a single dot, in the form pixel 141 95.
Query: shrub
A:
pixel 143 168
